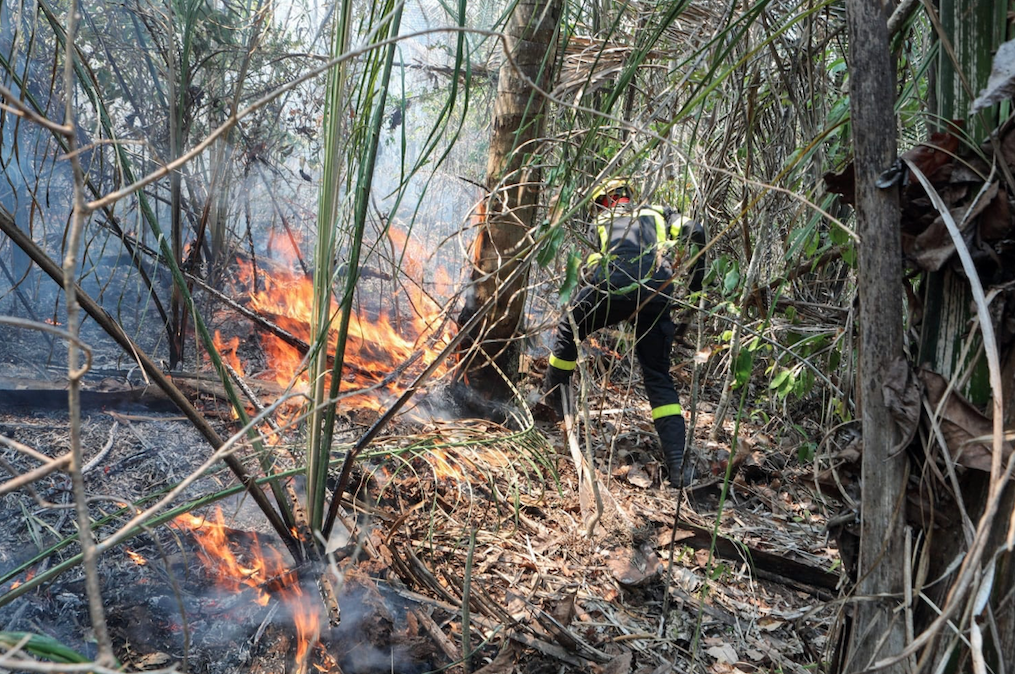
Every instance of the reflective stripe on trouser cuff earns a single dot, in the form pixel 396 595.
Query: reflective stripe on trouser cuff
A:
pixel 561 364
pixel 666 411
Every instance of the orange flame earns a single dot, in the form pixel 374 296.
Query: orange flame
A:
pixel 285 246
pixel 138 559
pixel 227 350
pixel 261 566
pixel 399 327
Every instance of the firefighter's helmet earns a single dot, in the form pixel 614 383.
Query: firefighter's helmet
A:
pixel 608 192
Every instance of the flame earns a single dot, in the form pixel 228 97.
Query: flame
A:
pixel 261 567
pixel 285 246
pixel 227 350
pixel 138 559
pixel 390 333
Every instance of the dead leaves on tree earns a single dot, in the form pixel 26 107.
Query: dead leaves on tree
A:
pixel 924 397
pixel 977 198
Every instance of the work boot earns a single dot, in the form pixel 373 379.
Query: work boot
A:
pixel 672 436
pixel 553 383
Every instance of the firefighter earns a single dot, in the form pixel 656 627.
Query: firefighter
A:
pixel 631 279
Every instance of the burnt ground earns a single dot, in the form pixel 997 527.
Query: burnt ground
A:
pixel 445 508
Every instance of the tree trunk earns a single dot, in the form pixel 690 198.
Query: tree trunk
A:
pixel 513 182
pixel 877 630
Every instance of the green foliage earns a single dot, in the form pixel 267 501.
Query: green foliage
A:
pixel 42 646
pixel 743 367
pixel 796 380
pixel 571 277
pixel 725 273
pixel 806 451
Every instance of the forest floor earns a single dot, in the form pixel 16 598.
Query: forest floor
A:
pixel 742 579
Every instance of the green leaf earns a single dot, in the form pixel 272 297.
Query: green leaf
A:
pixel 834 359
pixel 780 379
pixel 571 276
pixel 803 383
pixel 731 280
pixel 717 269
pixel 788 385
pixel 743 367
pixel 548 253
pixel 838 235
pixel 43 647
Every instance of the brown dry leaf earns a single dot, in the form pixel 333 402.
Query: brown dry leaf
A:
pixel 961 422
pixel 638 477
pixel 152 660
pixel 701 557
pixel 1006 147
pixel 411 625
pixel 995 221
pixel 902 397
pixel 701 357
pixel 725 668
pixel 563 612
pixel 666 537
pixel 515 603
pixel 618 665
pixel 722 651
pixel 633 567
pixel 769 624
pixel 937 152
pixel 934 246
pixel 842 183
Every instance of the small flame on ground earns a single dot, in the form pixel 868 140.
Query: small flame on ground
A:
pixel 28 576
pixel 261 565
pixel 138 559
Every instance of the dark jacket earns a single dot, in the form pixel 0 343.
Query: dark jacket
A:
pixel 636 244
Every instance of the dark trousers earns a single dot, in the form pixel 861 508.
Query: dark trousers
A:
pixel 592 309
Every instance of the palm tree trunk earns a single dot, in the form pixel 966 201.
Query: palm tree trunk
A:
pixel 513 182
pixel 972 31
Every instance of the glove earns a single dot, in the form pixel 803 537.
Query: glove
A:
pixel 672 436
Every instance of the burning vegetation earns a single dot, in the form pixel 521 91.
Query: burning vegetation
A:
pixel 399 326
